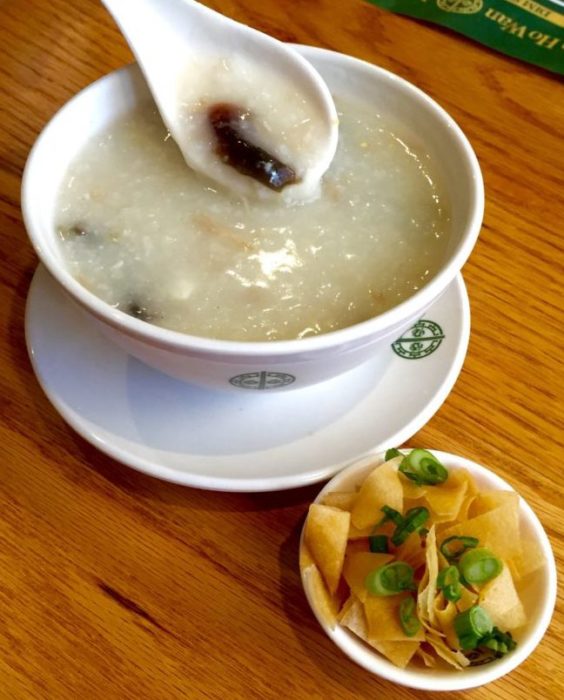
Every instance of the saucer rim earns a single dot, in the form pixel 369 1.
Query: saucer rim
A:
pixel 254 484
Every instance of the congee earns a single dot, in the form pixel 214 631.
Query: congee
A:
pixel 151 237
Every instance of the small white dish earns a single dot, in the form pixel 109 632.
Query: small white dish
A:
pixel 540 596
pixel 245 440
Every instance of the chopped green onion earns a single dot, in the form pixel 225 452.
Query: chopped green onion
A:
pixel 471 625
pixel 424 532
pixel 498 641
pixel 391 453
pixel 455 546
pixel 391 514
pixel 408 620
pixel 448 581
pixel 378 543
pixel 479 566
pixel 413 520
pixel 390 579
pixel 423 468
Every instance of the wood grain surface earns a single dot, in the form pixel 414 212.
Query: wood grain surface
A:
pixel 115 585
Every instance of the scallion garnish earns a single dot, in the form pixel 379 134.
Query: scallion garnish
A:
pixel 390 579
pixel 454 547
pixel 413 520
pixel 479 566
pixel 490 647
pixel 378 543
pixel 498 641
pixel 408 619
pixel 391 453
pixel 423 468
pixel 390 514
pixel 448 581
pixel 471 626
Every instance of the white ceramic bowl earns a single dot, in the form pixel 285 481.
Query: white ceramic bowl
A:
pixel 255 365
pixel 539 598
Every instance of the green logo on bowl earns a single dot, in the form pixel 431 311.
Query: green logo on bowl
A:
pixel 262 380
pixel 420 340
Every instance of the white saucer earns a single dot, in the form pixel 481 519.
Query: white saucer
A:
pixel 247 441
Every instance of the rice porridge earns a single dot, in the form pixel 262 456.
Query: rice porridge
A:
pixel 151 237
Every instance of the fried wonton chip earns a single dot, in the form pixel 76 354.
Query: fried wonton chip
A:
pixel 468 598
pixel 326 534
pixel 412 551
pixel 340 499
pixel 356 533
pixel 411 491
pixel 399 653
pixel 357 567
pixel 382 487
pixel 497 529
pixel 500 600
pixel 529 559
pixel 383 619
pixel 428 584
pixel 489 500
pixel 428 659
pixel 319 596
pixel 465 506
pixel 445 502
pixel 454 658
pixel 352 616
pixel 445 612
pixel 305 557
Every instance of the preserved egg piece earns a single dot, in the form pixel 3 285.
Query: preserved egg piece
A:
pixel 78 230
pixel 230 123
pixel 138 310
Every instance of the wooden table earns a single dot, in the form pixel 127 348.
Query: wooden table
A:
pixel 115 585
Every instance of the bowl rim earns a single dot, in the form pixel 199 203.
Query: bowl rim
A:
pixel 177 341
pixel 424 679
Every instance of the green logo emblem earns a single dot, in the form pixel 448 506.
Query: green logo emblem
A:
pixel 262 380
pixel 420 340
pixel 461 7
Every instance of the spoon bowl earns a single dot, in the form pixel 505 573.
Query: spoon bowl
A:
pixel 194 58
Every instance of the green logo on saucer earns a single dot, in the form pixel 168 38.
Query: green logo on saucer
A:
pixel 262 380
pixel 420 340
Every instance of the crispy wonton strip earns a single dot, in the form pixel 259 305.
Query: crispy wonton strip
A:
pixel 530 559
pixel 357 567
pixel 412 551
pixel 428 585
pixel 399 653
pixel 340 499
pixel 454 658
pixel 489 500
pixel 428 659
pixel 501 601
pixel 445 612
pixel 381 488
pixel 445 502
pixel 326 533
pixel 382 616
pixel 321 601
pixel 498 530
pixel 467 599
